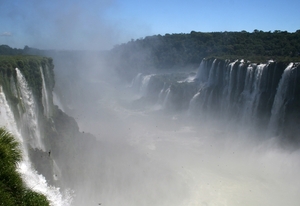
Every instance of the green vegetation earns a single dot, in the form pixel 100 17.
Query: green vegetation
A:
pixel 13 191
pixel 30 68
pixel 6 50
pixel 180 50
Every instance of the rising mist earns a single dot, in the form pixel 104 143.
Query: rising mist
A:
pixel 134 151
pixel 148 155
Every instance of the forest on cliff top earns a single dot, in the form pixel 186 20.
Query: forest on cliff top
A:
pixel 178 50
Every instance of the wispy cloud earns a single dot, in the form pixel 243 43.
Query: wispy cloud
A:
pixel 6 34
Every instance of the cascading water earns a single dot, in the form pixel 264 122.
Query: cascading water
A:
pixel 193 104
pixel 161 95
pixel 247 94
pixel 212 74
pixel 7 119
pixel 145 83
pixel 167 98
pixel 45 97
pixel 202 72
pixel 252 91
pixel 30 117
pixel 257 90
pixel 32 179
pixel 237 91
pixel 136 82
pixel 278 109
pixel 228 92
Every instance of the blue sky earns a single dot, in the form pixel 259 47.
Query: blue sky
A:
pixel 101 24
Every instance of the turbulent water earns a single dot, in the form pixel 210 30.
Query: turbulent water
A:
pixel 155 156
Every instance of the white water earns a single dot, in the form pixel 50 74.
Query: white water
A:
pixel 136 82
pixel 145 82
pixel 252 92
pixel 258 81
pixel 32 179
pixel 30 119
pixel 7 119
pixel 212 73
pixel 162 94
pixel 247 94
pixel 278 105
pixel 166 100
pixel 193 103
pixel 201 73
pixel 226 96
pixel 45 98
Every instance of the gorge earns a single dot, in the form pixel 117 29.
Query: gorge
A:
pixel 223 134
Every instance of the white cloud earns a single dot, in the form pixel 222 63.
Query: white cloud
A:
pixel 6 34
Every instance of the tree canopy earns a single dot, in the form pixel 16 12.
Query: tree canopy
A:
pixel 13 190
pixel 173 50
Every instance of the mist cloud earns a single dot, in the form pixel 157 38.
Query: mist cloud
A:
pixel 64 24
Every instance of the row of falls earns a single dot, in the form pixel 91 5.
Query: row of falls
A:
pixel 262 96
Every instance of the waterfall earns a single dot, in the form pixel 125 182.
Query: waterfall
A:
pixel 193 104
pixel 202 73
pixel 229 92
pixel 7 119
pixel 278 108
pixel 166 100
pixel 136 82
pixel 30 118
pixel 212 74
pixel 161 95
pixel 257 96
pixel 32 179
pixel 144 86
pixel 258 82
pixel 56 101
pixel 45 98
pixel 252 91
pixel 247 94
